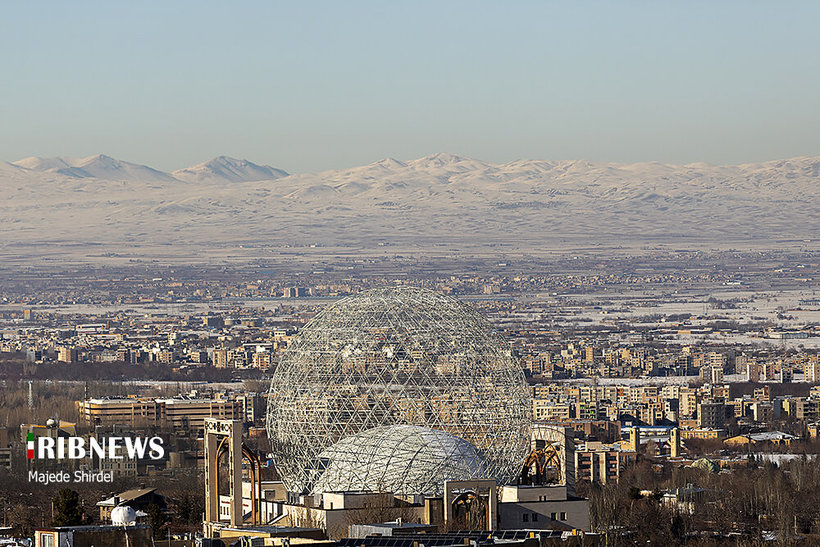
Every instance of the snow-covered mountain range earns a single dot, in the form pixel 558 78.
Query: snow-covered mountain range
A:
pixel 99 167
pixel 225 169
pixel 218 170
pixel 438 199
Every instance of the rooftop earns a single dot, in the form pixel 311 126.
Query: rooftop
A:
pixel 128 495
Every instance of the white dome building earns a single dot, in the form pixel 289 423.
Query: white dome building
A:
pixel 401 356
pixel 404 459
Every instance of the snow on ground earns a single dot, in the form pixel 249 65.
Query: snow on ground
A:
pixel 440 198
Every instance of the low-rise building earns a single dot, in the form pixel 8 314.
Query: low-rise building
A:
pixel 184 413
pixel 548 507
pixel 135 535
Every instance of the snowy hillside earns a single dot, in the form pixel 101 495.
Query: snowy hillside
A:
pixel 99 166
pixel 438 199
pixel 225 169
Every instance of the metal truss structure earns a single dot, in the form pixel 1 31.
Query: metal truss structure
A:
pixel 406 459
pixel 391 357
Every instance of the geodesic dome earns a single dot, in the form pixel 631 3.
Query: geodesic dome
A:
pixel 396 356
pixel 407 459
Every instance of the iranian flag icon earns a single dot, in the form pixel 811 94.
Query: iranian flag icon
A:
pixel 30 443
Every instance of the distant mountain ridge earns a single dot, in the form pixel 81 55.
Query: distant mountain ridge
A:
pixel 99 166
pixel 217 170
pixel 223 168
pixel 434 200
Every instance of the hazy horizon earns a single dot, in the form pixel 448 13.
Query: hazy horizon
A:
pixel 403 160
pixel 308 87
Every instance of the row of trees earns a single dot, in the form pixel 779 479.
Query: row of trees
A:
pixel 18 369
pixel 690 506
pixel 25 508
pixel 51 399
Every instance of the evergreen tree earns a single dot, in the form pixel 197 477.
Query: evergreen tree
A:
pixel 156 518
pixel 68 511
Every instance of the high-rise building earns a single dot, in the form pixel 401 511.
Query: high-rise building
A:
pixel 67 355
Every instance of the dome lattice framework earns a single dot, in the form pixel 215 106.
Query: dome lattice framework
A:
pixel 391 357
pixel 400 458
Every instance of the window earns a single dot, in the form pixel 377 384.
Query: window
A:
pixel 552 516
pixel 563 516
pixel 526 517
pixel 47 540
pixel 535 517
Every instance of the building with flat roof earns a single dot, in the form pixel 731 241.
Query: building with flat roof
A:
pixel 600 463
pixel 542 507
pixel 135 535
pixel 183 413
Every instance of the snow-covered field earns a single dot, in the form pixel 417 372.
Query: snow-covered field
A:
pixel 127 209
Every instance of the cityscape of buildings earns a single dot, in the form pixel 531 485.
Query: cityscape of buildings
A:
pixel 485 274
pixel 713 376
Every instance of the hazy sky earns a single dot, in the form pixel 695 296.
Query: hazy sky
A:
pixel 307 86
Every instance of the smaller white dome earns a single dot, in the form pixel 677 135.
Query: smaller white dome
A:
pixel 123 516
pixel 403 459
pixel 51 422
